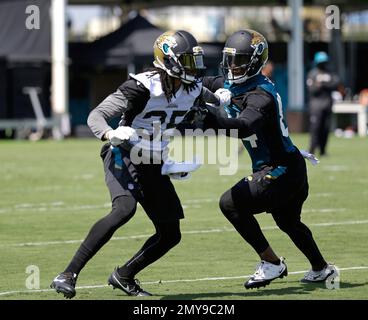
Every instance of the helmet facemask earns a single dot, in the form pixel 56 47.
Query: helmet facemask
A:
pixel 191 66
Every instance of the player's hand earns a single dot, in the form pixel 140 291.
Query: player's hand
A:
pixel 216 112
pixel 121 134
pixel 224 96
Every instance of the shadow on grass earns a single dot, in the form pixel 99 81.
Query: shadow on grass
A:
pixel 245 294
pixel 342 285
pixel 302 289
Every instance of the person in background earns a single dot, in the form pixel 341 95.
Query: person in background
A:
pixel 320 83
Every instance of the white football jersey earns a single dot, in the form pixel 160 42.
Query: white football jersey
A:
pixel 159 114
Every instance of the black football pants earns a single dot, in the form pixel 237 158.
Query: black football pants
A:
pixel 283 198
pixel 128 184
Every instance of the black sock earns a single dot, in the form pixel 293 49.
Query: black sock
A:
pixel 166 237
pixel 123 208
pixel 79 260
pixel 302 237
pixel 319 267
pixel 125 273
pixel 275 262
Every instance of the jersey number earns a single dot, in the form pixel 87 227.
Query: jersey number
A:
pixel 285 132
pixel 284 128
pixel 162 115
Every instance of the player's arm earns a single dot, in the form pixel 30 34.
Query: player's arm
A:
pixel 112 107
pixel 195 118
pixel 128 100
pixel 213 82
pixel 256 110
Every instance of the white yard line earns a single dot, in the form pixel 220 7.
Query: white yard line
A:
pixel 324 210
pixel 215 230
pixel 3 293
pixel 61 206
pixel 335 168
pixel 322 194
pixel 58 206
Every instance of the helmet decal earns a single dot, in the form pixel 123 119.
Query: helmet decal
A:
pixel 165 42
pixel 260 48
pixel 165 48
pixel 256 38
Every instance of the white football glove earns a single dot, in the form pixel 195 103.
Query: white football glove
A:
pixel 310 156
pixel 121 134
pixel 224 96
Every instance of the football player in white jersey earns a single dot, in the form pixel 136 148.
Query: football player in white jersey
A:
pixel 162 95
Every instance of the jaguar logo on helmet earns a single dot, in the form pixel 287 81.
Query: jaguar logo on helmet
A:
pixel 165 42
pixel 259 48
pixel 256 38
pixel 163 46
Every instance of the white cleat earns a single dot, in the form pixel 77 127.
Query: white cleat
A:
pixel 320 276
pixel 265 273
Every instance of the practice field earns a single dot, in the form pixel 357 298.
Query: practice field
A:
pixel 52 192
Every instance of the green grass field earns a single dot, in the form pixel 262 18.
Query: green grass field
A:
pixel 52 192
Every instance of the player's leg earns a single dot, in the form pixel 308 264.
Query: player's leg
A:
pixel 288 219
pixel 302 237
pixel 239 204
pixel 123 208
pixel 315 129
pixel 243 220
pixel 162 205
pixel 118 178
pixel 325 130
pixel 166 237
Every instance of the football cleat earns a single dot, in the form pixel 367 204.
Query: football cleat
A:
pixel 320 276
pixel 265 273
pixel 65 283
pixel 130 286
